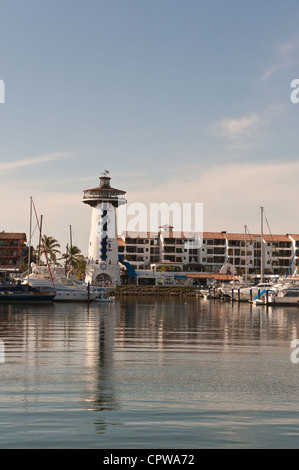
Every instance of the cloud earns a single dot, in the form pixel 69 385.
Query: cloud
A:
pixel 233 193
pixel 6 166
pixel 236 127
pixel 245 126
pixel 287 56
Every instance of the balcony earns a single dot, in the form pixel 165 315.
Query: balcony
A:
pixel 282 254
pixel 214 242
pixel 219 251
pixel 169 249
pixel 113 197
pixel 219 260
pixel 169 258
pixel 283 245
pixel 169 241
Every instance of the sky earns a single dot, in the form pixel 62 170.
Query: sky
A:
pixel 181 100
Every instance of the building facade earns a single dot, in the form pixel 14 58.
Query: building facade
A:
pixel 240 252
pixel 12 246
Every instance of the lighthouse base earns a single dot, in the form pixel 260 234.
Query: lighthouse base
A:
pixel 100 275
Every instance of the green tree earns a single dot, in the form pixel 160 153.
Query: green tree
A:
pixel 51 246
pixel 75 259
pixel 81 267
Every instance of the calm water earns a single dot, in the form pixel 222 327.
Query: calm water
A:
pixel 149 373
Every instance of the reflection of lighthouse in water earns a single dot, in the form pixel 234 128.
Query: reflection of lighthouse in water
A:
pixel 103 267
pixel 100 392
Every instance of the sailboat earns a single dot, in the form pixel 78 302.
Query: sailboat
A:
pixel 254 293
pixel 16 292
pixel 54 279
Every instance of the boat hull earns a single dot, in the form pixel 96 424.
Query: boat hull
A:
pixel 109 299
pixel 25 298
pixel 283 301
pixel 63 293
pixel 74 297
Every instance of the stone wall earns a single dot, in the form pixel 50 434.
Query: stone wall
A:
pixel 181 291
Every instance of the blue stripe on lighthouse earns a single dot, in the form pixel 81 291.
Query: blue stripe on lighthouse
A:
pixel 104 240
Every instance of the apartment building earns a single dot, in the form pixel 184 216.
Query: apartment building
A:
pixel 212 254
pixel 295 249
pixel 139 249
pixel 12 246
pixel 279 253
pixel 214 251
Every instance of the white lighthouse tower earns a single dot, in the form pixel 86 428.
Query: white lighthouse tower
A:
pixel 102 266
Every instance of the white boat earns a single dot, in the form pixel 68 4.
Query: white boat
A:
pixel 250 293
pixel 259 302
pixel 286 296
pixel 62 293
pixel 103 298
pixel 66 289
pixel 68 279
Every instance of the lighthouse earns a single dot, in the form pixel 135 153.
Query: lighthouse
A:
pixel 102 265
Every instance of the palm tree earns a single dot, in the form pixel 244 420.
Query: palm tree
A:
pixel 51 246
pixel 75 259
pixel 81 267
pixel 72 256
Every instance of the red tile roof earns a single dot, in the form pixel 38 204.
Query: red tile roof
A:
pixel 213 235
pixel 240 236
pixel 276 238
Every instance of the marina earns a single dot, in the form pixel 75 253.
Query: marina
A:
pixel 167 357
pixel 144 373
pixel 149 244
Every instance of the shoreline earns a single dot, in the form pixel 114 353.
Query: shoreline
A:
pixel 171 291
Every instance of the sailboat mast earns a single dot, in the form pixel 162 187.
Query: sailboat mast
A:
pixel 66 258
pixel 40 239
pixel 246 267
pixel 71 246
pixel 262 244
pixel 30 231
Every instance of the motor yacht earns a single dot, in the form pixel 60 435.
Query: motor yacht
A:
pixel 287 296
pixel 65 289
